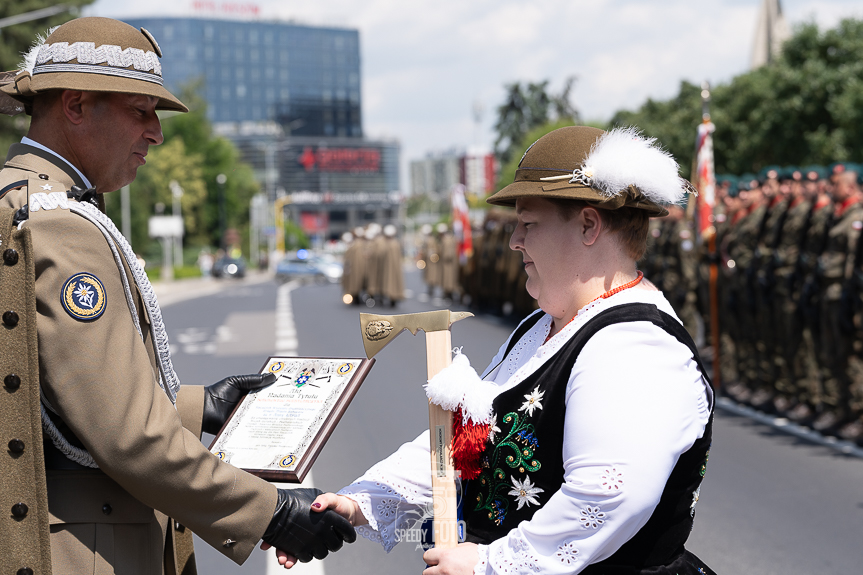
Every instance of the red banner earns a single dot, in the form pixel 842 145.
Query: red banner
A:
pixel 704 178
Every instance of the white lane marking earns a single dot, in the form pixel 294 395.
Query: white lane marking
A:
pixel 286 345
pixel 286 332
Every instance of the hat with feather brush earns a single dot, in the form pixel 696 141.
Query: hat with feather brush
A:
pixel 608 170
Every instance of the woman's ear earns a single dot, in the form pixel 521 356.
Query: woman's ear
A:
pixel 590 224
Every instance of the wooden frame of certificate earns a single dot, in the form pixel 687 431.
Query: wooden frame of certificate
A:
pixel 277 432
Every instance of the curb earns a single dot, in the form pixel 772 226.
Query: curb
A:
pixel 182 290
pixel 786 426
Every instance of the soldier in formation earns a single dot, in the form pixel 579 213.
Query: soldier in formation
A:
pixel 790 257
pixel 439 261
pixel 493 278
pixel 373 272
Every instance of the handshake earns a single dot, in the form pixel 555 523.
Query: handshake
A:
pixel 302 534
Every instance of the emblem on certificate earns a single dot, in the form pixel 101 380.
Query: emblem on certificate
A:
pixel 277 432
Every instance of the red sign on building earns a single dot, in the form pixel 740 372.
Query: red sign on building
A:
pixel 238 8
pixel 362 160
pixel 314 222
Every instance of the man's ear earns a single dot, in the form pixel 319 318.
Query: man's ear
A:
pixel 72 103
pixel 590 224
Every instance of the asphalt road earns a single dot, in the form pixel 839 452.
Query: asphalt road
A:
pixel 771 503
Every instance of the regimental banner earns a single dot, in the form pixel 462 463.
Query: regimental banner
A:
pixel 461 223
pixel 704 178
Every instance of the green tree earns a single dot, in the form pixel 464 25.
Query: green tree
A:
pixel 16 40
pixel 194 157
pixel 806 107
pixel 219 156
pixel 527 107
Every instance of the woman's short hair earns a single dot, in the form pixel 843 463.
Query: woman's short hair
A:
pixel 630 225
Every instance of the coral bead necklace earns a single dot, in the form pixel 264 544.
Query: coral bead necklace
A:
pixel 607 294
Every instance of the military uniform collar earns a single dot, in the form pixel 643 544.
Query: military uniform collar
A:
pixel 843 207
pixel 44 148
pixel 38 161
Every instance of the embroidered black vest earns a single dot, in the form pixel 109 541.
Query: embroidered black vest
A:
pixel 526 455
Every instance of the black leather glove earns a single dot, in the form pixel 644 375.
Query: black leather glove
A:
pixel 221 398
pixel 304 533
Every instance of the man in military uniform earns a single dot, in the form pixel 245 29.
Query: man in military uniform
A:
pixel 837 266
pixel 786 289
pixel 126 475
pixel 728 212
pixel 741 253
pixel 761 278
pixel 806 371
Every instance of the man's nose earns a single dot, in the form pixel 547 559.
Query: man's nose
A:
pixel 153 134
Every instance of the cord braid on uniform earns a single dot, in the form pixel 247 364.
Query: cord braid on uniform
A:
pixel 76 454
pixel 157 327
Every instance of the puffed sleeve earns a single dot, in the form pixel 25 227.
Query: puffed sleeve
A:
pixel 395 493
pixel 626 424
pixel 98 377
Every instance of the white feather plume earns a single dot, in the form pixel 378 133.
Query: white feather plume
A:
pixel 459 386
pixel 624 157
pixel 29 61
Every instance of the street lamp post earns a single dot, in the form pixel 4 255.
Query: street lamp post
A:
pixel 177 194
pixel 221 179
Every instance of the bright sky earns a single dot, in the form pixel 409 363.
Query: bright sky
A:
pixel 425 63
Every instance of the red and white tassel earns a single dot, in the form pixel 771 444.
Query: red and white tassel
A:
pixel 458 388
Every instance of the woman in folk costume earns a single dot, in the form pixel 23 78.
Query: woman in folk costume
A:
pixel 598 410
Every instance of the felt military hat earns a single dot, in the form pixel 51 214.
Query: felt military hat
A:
pixel 96 55
pixel 608 170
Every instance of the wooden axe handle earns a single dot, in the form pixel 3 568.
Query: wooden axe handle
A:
pixel 439 356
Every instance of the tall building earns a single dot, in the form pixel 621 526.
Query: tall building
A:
pixel 289 97
pixel 304 77
pixel 770 33
pixel 436 174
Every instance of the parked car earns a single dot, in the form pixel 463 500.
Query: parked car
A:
pixel 307 267
pixel 226 267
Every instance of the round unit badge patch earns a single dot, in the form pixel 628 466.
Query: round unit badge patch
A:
pixel 83 297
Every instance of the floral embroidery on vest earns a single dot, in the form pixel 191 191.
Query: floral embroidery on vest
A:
pixel 518 445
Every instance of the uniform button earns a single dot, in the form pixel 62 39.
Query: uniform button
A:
pixel 16 446
pixel 43 176
pixel 12 381
pixel 228 543
pixel 107 509
pixel 24 571
pixel 10 256
pixel 10 318
pixel 19 510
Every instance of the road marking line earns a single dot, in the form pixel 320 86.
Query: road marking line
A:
pixel 287 344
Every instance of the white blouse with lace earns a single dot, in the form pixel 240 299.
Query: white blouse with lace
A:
pixel 635 402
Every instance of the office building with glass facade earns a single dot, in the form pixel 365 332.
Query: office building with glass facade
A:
pixel 305 78
pixel 289 97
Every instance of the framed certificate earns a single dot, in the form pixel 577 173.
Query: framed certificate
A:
pixel 277 432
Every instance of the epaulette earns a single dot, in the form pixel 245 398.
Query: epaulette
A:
pixel 45 195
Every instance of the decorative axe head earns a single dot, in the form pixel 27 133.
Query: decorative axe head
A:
pixel 379 330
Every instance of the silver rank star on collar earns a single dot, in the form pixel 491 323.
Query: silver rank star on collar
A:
pixel 47 187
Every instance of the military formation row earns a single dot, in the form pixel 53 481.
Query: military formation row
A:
pixel 373 271
pixel 789 255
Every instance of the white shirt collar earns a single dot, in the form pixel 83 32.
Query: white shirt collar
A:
pixel 35 144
